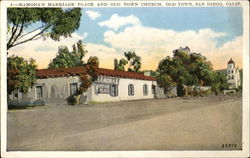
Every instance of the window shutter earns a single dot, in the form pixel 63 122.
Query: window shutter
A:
pixel 132 89
pixel 116 86
pixel 128 90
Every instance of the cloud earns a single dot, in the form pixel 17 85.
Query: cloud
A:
pixel 93 14
pixel 85 35
pixel 105 54
pixel 231 49
pixel 43 51
pixel 140 37
pixel 154 44
pixel 116 21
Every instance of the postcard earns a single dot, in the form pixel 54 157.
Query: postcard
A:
pixel 124 78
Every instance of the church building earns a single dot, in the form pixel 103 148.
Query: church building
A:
pixel 233 75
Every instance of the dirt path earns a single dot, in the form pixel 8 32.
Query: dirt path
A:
pixel 165 124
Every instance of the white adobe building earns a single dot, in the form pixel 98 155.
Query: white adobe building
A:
pixel 56 85
pixel 233 75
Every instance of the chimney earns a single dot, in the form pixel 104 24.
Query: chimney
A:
pixel 146 73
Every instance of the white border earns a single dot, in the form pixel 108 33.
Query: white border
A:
pixel 246 86
pixel 3 81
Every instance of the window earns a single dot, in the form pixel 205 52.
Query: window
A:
pixel 39 92
pixel 114 90
pixel 232 76
pixel 130 89
pixel 73 88
pixel 145 89
pixel 153 89
pixel 15 94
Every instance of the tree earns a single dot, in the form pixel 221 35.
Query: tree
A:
pixel 165 74
pixel 218 82
pixel 185 70
pixel 53 23
pixel 65 58
pixel 131 58
pixel 166 82
pixel 90 76
pixel 134 61
pixel 120 65
pixel 116 64
pixel 21 74
pixel 86 79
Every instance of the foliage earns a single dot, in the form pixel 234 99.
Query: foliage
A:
pixel 187 69
pixel 21 74
pixel 166 82
pixel 131 58
pixel 154 74
pixel 116 64
pixel 72 100
pixel 120 65
pixel 92 65
pixel 90 76
pixel 166 73
pixel 65 58
pixel 17 105
pixel 86 79
pixel 53 23
pixel 134 61
pixel 218 82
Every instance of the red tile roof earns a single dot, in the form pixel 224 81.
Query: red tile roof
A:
pixel 59 72
pixel 75 71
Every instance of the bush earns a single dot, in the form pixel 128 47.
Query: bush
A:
pixel 25 104
pixel 72 100
pixel 180 90
pixel 240 88
pixel 237 89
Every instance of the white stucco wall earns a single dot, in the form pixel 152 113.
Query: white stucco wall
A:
pixel 232 71
pixel 123 91
pixel 61 84
pixel 61 88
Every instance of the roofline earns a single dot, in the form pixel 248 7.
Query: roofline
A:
pixel 65 72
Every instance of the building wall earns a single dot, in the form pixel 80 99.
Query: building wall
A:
pixel 58 90
pixel 123 91
pixel 53 90
pixel 232 71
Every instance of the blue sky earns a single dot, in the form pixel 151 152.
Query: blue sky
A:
pixel 153 33
pixel 228 20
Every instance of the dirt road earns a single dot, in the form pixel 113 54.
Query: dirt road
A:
pixel 202 123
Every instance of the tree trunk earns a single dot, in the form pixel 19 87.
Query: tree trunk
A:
pixel 78 98
pixel 186 90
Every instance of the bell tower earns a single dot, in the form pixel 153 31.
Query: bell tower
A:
pixel 230 69
pixel 230 64
pixel 232 74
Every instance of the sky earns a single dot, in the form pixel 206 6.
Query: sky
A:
pixel 153 33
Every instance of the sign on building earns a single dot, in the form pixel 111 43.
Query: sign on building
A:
pixel 104 84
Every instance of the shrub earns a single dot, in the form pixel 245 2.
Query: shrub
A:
pixel 72 100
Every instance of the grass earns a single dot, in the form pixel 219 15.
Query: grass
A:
pixel 13 107
pixel 101 102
